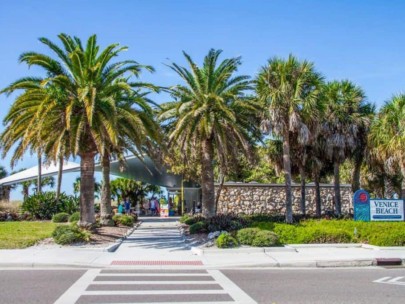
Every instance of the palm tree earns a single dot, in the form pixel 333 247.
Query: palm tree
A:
pixel 91 83
pixel 289 88
pixel 346 114
pixel 137 132
pixel 387 137
pixel 209 117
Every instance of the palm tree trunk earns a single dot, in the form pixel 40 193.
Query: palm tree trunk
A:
pixel 60 169
pixel 287 174
pixel 87 217
pixel 302 205
pixel 317 196
pixel 356 175
pixel 336 174
pixel 105 204
pixel 221 184
pixel 207 179
pixel 39 179
pixel 403 182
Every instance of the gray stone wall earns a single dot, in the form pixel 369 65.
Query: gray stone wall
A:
pixel 253 198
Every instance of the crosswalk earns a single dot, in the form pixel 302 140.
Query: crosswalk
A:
pixel 154 286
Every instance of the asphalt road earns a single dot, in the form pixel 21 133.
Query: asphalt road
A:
pixel 245 286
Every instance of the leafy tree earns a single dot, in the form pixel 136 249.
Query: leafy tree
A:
pixel 289 89
pixel 210 118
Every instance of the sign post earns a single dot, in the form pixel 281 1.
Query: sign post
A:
pixel 361 203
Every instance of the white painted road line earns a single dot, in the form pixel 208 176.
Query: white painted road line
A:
pixel 78 288
pixel 150 292
pixel 231 288
pixel 153 282
pixel 153 274
pixel 389 280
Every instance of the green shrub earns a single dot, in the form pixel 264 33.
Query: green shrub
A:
pixel 125 220
pixel 225 240
pixel 227 222
pixel 194 219
pixel 245 236
pixel 265 238
pixel 388 238
pixel 68 234
pixel 183 218
pixel 198 227
pixel 44 205
pixel 75 217
pixel 68 203
pixel 62 217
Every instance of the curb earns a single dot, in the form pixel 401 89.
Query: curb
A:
pixel 203 251
pixel 117 244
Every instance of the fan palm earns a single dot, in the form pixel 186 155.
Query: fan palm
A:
pixel 346 115
pixel 289 89
pixel 387 137
pixel 91 83
pixel 210 117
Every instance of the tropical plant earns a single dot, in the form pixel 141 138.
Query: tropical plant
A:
pixel 92 83
pixel 210 118
pixel 132 189
pixel 346 119
pixel 387 138
pixel 290 90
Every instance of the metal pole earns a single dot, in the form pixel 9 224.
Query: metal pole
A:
pixel 182 196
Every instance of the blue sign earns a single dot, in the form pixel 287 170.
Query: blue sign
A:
pixel 361 204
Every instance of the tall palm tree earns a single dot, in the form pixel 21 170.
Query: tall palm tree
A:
pixel 209 116
pixel 137 133
pixel 387 137
pixel 346 115
pixel 91 82
pixel 289 89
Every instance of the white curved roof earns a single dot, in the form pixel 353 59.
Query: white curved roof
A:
pixel 32 173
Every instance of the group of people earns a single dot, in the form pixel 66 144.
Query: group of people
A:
pixel 124 206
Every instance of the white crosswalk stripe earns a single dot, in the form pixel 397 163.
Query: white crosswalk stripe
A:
pixel 154 286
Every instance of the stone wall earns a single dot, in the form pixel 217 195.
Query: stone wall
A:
pixel 270 198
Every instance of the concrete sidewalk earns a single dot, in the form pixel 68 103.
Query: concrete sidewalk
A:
pixel 157 242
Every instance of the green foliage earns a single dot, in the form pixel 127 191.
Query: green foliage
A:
pixel 74 217
pixel 265 238
pixel 226 222
pixel 198 227
pixel 337 231
pixel 225 240
pixel 194 219
pixel 125 220
pixel 62 217
pixel 245 236
pixel 42 206
pixel 183 218
pixel 68 234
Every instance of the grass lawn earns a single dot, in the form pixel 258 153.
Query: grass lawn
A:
pixel 24 234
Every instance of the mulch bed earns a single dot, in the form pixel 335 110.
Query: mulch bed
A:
pixel 105 235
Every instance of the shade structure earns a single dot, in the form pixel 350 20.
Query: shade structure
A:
pixel 32 173
pixel 142 170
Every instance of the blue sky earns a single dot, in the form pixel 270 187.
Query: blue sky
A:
pixel 358 40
